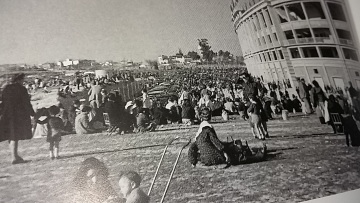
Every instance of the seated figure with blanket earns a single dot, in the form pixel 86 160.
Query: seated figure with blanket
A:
pixel 209 150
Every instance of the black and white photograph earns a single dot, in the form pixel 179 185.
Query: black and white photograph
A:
pixel 187 101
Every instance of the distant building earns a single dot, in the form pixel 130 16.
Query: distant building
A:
pixel 47 66
pixel 163 60
pixel 285 39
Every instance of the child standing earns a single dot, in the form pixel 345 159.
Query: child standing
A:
pixel 55 130
pixel 129 183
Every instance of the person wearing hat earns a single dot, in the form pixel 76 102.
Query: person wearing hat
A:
pixel 15 121
pixel 82 123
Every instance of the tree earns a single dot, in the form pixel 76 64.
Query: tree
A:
pixel 221 53
pixel 180 53
pixel 153 63
pixel 207 53
pixel 194 55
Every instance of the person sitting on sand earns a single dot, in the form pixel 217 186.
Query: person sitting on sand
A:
pixel 207 143
pixel 73 111
pixel 209 150
pixel 143 122
pixel 82 123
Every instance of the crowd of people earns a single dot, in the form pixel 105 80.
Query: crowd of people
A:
pixel 197 96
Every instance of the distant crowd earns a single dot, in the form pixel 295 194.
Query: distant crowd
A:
pixel 189 97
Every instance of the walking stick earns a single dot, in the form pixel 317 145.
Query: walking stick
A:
pixel 160 162
pixel 173 170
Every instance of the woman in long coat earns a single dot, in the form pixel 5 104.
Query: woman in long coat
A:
pixel 15 121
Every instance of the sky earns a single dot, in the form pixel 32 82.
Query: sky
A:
pixel 38 31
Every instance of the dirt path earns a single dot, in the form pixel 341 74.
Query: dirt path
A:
pixel 307 162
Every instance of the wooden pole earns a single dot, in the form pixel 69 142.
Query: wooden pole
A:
pixel 128 90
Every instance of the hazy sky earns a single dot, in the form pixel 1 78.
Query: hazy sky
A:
pixel 37 31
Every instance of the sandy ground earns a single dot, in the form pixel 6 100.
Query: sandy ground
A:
pixel 306 162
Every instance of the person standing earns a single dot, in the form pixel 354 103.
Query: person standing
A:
pixel 15 121
pixel 95 93
pixel 318 98
pixel 353 97
pixel 146 102
pixel 249 88
pixel 304 96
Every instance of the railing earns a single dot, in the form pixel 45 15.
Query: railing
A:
pixel 346 41
pixel 305 40
pixel 324 39
pixel 292 41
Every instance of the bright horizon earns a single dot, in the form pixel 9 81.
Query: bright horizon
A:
pixel 39 31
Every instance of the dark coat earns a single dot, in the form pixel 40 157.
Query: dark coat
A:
pixel 113 110
pixel 188 112
pixel 250 88
pixel 207 148
pixel 15 121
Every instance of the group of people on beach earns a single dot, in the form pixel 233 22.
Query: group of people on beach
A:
pixel 223 92
pixel 198 98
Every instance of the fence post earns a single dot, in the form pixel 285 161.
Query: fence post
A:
pixel 133 88
pixel 128 90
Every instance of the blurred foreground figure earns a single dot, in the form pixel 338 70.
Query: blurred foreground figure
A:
pixel 15 121
pixel 91 183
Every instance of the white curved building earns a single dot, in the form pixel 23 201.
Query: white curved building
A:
pixel 310 39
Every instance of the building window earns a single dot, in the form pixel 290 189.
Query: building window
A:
pixel 316 71
pixel 259 42
pixel 344 34
pixel 281 54
pixel 275 56
pixel 329 52
pixel 322 32
pixel 275 36
pixel 303 33
pixel 350 54
pixel 357 74
pixel 295 53
pixel 253 24
pixel 314 10
pixel 268 55
pixel 310 52
pixel 282 14
pixel 289 34
pixel 295 12
pixel 269 38
pixel 265 59
pixel 263 39
pixel 263 19
pixel 257 23
pixel 260 58
pixel 337 12
pixel 268 14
